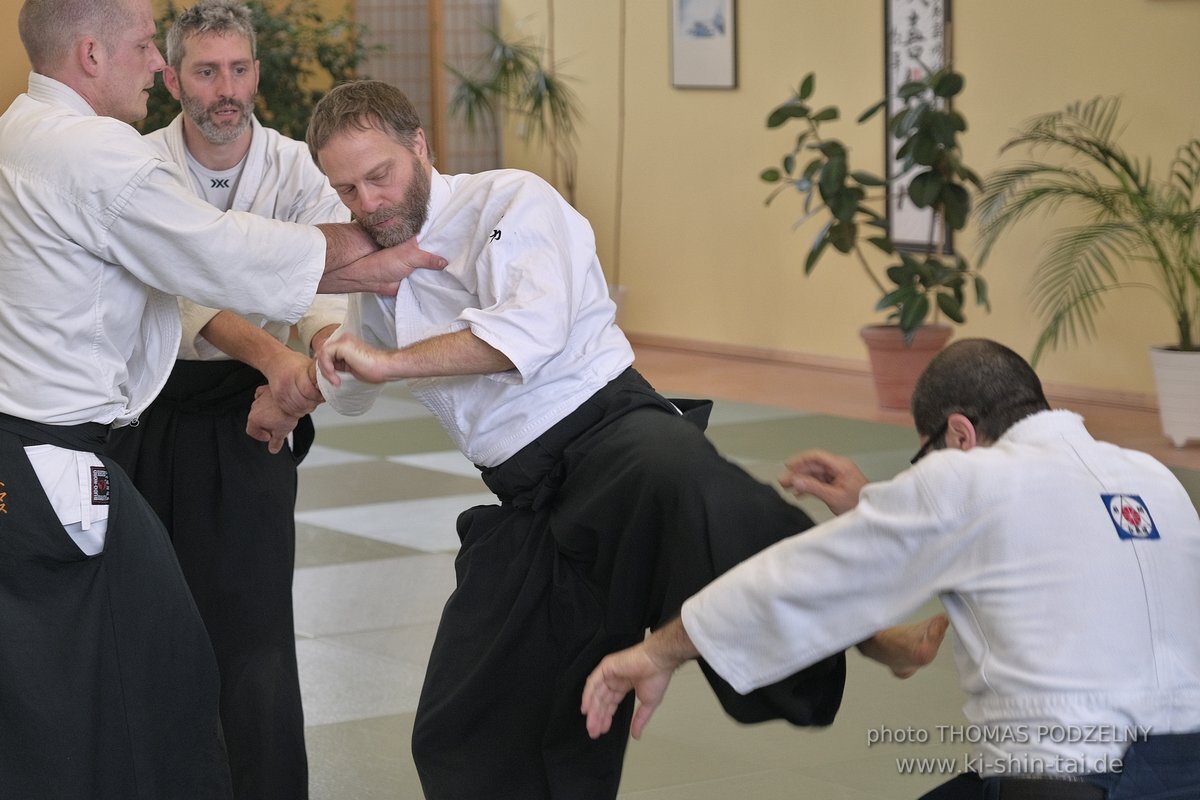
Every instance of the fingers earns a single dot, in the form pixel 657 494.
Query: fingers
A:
pixel 416 258
pixel 327 362
pixel 602 694
pixel 641 718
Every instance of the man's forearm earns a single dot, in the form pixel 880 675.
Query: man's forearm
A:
pixel 458 353
pixel 345 242
pixel 237 338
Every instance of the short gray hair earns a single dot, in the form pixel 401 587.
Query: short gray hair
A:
pixel 362 105
pixel 49 28
pixel 219 17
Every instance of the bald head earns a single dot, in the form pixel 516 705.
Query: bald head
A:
pixel 984 381
pixel 49 29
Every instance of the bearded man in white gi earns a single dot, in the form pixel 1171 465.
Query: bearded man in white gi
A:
pixel 108 685
pixel 1070 569
pixel 228 502
pixel 614 506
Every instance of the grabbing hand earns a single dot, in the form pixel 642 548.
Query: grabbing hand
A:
pixel 268 422
pixel 904 649
pixel 834 480
pixel 293 384
pixel 348 353
pixel 380 272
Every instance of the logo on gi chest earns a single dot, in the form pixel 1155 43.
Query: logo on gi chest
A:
pixel 220 183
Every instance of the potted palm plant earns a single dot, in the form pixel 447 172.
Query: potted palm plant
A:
pixel 916 287
pixel 1136 233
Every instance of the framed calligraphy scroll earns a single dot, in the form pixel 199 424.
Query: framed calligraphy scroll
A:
pixel 916 42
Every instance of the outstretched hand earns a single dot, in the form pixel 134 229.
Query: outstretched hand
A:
pixel 645 668
pixel 834 480
pixel 616 675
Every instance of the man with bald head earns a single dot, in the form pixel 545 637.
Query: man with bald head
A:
pixel 108 687
pixel 1069 567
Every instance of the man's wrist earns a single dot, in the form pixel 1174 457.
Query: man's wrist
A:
pixel 670 646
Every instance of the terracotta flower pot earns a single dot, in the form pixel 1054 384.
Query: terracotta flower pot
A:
pixel 896 364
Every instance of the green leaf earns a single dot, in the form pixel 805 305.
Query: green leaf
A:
pixel 770 175
pixel 925 151
pixel 925 189
pixel 789 163
pixel 788 110
pixel 867 179
pixel 806 86
pixel 883 243
pixel 826 114
pixel 981 293
pixel 948 84
pixel 813 167
pixel 899 275
pixel 832 149
pixel 913 314
pixel 911 89
pixel 833 177
pixel 843 205
pixel 892 298
pixel 818 247
pixel 956 206
pixel 872 111
pixel 843 235
pixel 951 307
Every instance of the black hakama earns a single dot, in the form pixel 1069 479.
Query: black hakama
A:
pixel 609 521
pixel 108 686
pixel 229 507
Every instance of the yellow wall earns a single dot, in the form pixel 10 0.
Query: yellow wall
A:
pixel 700 256
pixel 14 66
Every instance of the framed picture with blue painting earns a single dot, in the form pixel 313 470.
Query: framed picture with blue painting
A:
pixel 703 44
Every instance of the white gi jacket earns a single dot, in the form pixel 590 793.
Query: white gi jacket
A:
pixel 279 180
pixel 1070 569
pixel 524 277
pixel 97 232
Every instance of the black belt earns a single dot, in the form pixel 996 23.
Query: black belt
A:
pixel 1044 789
pixel 90 437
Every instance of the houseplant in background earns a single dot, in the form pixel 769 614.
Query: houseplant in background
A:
pixel 302 53
pixel 917 288
pixel 1132 232
pixel 517 79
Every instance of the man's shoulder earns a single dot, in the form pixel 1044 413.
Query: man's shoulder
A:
pixel 504 188
pixel 90 150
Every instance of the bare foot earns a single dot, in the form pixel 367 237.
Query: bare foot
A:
pixel 904 649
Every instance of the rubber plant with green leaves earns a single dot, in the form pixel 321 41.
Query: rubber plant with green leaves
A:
pixel 916 284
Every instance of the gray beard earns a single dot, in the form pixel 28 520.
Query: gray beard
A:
pixel 410 213
pixel 213 132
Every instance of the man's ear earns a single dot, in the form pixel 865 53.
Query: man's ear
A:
pixel 420 147
pixel 89 52
pixel 960 433
pixel 171 80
